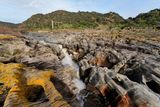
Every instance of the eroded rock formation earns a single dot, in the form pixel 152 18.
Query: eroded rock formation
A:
pixel 113 70
pixel 21 80
pixel 123 70
pixel 31 53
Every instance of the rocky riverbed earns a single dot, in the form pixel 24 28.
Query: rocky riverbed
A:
pixel 80 69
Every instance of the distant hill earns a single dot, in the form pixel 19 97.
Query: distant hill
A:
pixel 65 19
pixel 149 19
pixel 9 28
pixel 113 18
pixel 7 24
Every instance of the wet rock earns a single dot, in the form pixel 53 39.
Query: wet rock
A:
pixel 68 84
pixel 90 97
pixel 57 50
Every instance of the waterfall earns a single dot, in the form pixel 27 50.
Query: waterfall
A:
pixel 67 60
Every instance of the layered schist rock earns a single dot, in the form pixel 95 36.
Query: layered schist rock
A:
pixel 114 71
pixel 28 86
pixel 30 53
pixel 123 72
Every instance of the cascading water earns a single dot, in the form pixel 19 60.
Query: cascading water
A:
pixel 67 60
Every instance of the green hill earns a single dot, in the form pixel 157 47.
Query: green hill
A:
pixel 149 19
pixel 7 24
pixel 65 19
pixel 9 28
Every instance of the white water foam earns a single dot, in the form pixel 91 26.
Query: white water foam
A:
pixel 80 85
pixel 67 60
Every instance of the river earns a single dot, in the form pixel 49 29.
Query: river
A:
pixel 66 61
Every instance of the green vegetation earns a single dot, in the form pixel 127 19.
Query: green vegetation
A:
pixel 80 20
pixel 9 28
pixel 143 20
pixel 7 24
pixel 65 20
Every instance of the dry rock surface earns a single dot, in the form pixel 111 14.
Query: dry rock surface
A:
pixel 97 69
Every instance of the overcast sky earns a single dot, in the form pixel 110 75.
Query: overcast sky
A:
pixel 17 11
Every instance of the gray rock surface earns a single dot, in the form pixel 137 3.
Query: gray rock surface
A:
pixel 117 72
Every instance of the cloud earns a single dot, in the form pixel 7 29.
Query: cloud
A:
pixel 35 4
pixel 45 6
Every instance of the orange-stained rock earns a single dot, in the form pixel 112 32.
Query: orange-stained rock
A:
pixel 118 101
pixel 19 78
pixel 104 59
pixel 101 59
pixel 124 101
pixel 104 89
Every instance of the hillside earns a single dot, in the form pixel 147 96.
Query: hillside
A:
pixel 9 28
pixel 149 19
pixel 7 24
pixel 65 19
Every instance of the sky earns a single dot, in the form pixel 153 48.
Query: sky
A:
pixel 17 11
